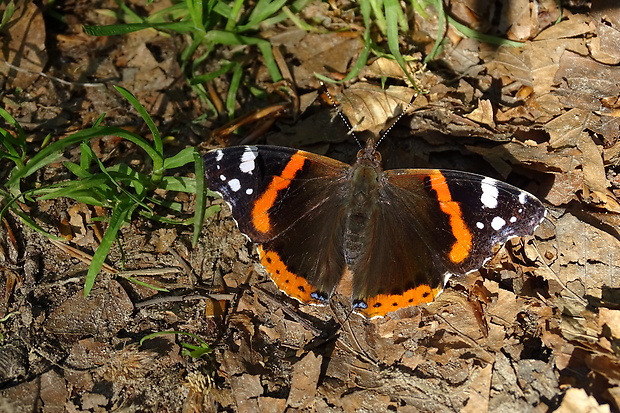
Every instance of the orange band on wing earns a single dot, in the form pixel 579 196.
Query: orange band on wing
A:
pixel 291 284
pixel 382 304
pixel 260 212
pixel 462 246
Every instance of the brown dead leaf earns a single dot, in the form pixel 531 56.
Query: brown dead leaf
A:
pixel 587 258
pixel 605 47
pixel 611 319
pixel 480 390
pixel 566 129
pixel 483 113
pixel 595 177
pixel 605 364
pixel 327 54
pixel 246 389
pixel 54 392
pixel 304 382
pixel 578 401
pixel 569 130
pixel 369 107
pixel 384 67
pixel 24 46
pixel 271 405
pixel 522 20
pixel 79 219
pixel 563 188
pixel 576 25
pixel 535 65
pixel 583 81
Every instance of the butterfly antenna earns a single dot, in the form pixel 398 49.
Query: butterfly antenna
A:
pixel 403 113
pixel 344 118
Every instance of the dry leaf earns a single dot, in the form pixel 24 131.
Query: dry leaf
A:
pixel 24 47
pixel 304 381
pixel 369 107
pixel 483 113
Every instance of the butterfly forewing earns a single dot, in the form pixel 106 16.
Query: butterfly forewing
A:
pixel 472 213
pixel 290 202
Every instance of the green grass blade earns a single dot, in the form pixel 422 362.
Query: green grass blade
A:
pixel 392 12
pixel 184 157
pixel 233 88
pixel 32 224
pixel 145 284
pixel 9 141
pixel 297 21
pixel 53 151
pixel 77 170
pixel 119 216
pixel 196 12
pixel 262 10
pixel 232 15
pixel 486 38
pixel 270 61
pixel 128 15
pixel 140 189
pixel 201 202
pixel 233 39
pixel 7 13
pixel 380 18
pixel 117 29
pixel 87 196
pixel 178 184
pixel 158 143
pixel 94 191
pixel 294 8
pixel 402 21
pixel 171 205
pixel 441 31
pixel 176 12
pixel 212 75
pixel 86 157
pixel 12 153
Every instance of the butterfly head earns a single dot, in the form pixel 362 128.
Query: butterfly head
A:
pixel 369 154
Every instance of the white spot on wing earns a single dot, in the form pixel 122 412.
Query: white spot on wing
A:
pixel 222 177
pixel 522 197
pixel 497 223
pixel 219 155
pixel 489 193
pixel 249 191
pixel 513 220
pixel 479 225
pixel 247 164
pixel 234 184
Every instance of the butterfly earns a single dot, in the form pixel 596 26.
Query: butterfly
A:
pixel 387 238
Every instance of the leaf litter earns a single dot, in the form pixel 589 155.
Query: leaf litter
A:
pixel 537 329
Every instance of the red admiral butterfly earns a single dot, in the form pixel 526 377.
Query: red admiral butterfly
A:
pixel 389 239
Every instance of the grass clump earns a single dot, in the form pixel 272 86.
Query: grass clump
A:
pixel 120 188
